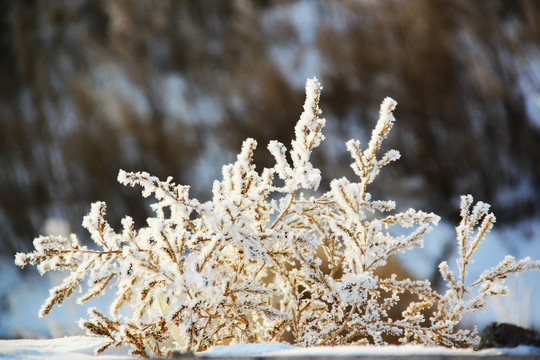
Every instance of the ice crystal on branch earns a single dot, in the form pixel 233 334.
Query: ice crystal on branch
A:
pixel 262 262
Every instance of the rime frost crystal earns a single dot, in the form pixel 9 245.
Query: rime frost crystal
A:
pixel 247 267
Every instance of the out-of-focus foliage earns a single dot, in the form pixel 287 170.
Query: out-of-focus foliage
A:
pixel 88 87
pixel 468 78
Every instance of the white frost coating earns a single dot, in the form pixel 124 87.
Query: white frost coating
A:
pixel 385 123
pixel 260 259
pixel 165 310
pixel 308 135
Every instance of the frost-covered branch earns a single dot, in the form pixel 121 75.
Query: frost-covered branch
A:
pixel 262 262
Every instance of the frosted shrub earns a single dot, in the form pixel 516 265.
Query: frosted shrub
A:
pixel 269 258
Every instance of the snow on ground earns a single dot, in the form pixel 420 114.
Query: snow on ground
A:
pixel 281 350
pixel 72 347
pixel 82 347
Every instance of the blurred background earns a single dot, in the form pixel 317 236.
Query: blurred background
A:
pixel 88 87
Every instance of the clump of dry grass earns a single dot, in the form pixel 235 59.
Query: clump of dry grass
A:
pixel 269 258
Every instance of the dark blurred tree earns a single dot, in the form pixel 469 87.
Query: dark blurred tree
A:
pixel 83 97
pixel 85 89
pixel 455 68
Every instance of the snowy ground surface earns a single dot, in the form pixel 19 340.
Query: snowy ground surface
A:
pixel 82 347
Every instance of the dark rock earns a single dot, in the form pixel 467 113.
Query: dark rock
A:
pixel 504 335
pixel 182 355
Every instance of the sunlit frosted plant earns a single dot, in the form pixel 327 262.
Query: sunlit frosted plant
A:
pixel 269 258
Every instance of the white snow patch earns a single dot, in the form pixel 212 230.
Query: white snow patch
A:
pixel 56 226
pixel 82 347
pixel 238 350
pixel 72 347
pixel 298 58
pixel 185 104
pixel 529 86
pixel 113 84
pixel 279 350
